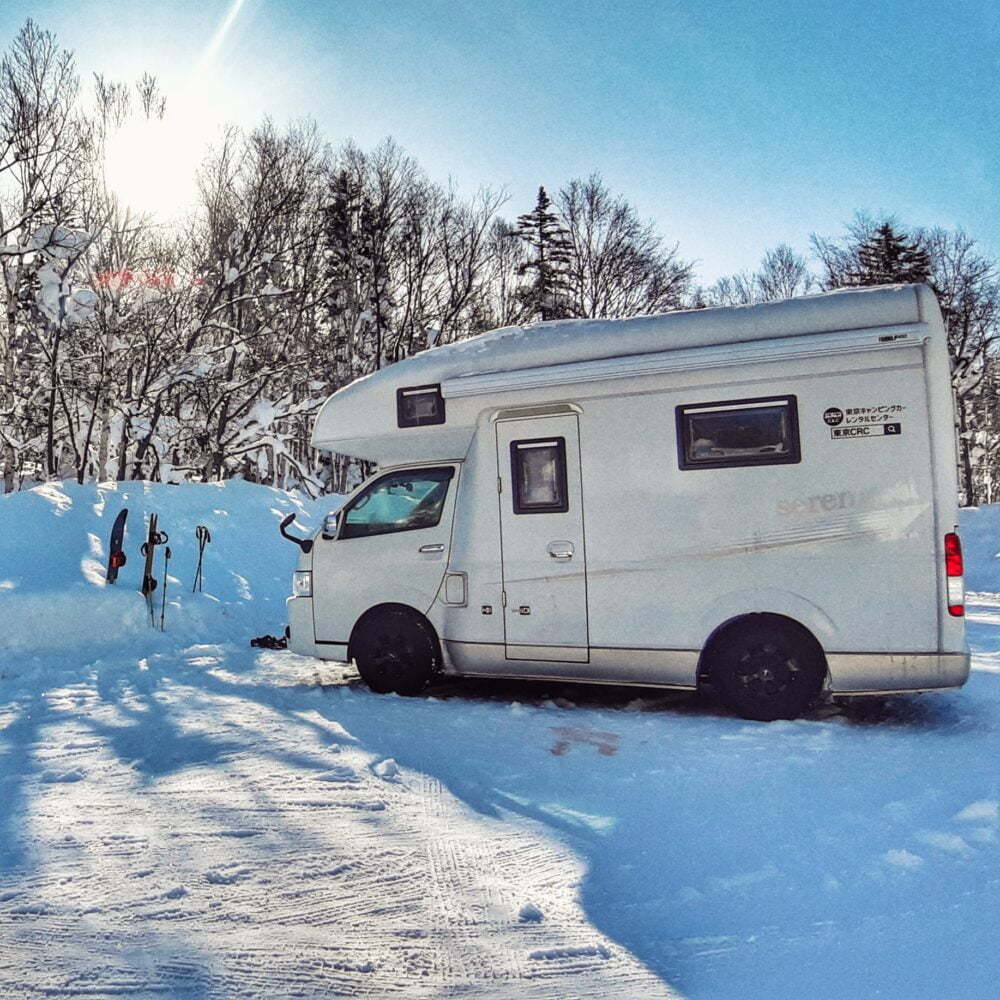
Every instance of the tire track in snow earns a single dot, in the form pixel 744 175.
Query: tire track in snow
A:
pixel 277 866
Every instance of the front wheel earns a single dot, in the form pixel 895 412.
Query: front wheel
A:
pixel 765 669
pixel 396 650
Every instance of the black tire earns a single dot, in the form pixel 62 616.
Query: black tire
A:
pixel 396 650
pixel 767 668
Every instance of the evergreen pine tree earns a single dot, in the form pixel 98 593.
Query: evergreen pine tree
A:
pixel 340 226
pixel 547 294
pixel 888 258
pixel 344 262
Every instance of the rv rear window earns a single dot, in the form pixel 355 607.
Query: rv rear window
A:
pixel 419 405
pixel 538 468
pixel 741 432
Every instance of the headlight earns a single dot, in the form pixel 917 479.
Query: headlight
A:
pixel 302 583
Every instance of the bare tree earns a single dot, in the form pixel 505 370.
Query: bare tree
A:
pixel 967 286
pixel 732 290
pixel 782 274
pixel 500 303
pixel 40 152
pixel 463 243
pixel 618 265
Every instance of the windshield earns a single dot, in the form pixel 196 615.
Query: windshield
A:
pixel 401 501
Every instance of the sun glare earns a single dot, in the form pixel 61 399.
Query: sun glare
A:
pixel 151 164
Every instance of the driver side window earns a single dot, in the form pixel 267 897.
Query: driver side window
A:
pixel 400 501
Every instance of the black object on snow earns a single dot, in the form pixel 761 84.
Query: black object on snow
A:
pixel 116 554
pixel 204 537
pixel 269 642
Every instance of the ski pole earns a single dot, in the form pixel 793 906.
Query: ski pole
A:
pixel 204 537
pixel 163 605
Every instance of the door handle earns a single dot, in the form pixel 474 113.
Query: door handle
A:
pixel 438 547
pixel 561 550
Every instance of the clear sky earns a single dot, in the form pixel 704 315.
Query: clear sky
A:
pixel 734 126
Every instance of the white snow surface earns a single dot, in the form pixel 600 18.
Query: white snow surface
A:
pixel 185 816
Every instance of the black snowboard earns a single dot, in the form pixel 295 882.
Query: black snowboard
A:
pixel 116 554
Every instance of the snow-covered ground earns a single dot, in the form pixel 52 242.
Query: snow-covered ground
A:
pixel 184 816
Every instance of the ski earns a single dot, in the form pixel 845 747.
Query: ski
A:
pixel 148 585
pixel 116 553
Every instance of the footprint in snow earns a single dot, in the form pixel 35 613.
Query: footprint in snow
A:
pixel 387 770
pixel 226 878
pixel 338 774
pixel 62 777
pixel 554 954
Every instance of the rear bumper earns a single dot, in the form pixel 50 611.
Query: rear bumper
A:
pixel 889 673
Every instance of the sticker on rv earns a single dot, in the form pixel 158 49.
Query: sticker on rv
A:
pixel 865 431
pixel 864 421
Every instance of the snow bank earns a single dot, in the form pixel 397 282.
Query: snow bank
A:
pixel 183 816
pixel 980 531
pixel 54 549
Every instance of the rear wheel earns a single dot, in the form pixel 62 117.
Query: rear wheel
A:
pixel 767 668
pixel 396 650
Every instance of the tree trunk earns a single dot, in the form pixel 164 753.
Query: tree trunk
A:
pixel 965 457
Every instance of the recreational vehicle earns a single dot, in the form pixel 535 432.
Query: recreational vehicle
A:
pixel 760 499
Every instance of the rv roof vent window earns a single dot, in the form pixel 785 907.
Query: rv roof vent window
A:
pixel 738 433
pixel 419 405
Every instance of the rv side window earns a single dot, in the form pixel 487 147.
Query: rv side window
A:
pixel 399 501
pixel 419 405
pixel 742 432
pixel 538 469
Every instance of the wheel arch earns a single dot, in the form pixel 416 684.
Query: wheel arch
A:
pixel 393 606
pixel 735 623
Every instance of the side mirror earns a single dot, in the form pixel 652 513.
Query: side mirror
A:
pixel 303 543
pixel 330 523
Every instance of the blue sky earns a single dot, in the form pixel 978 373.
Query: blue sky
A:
pixel 734 126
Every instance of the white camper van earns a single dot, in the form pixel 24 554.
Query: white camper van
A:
pixel 757 498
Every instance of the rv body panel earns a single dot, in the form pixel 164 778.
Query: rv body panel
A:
pixel 843 540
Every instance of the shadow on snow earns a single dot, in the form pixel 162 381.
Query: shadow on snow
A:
pixel 732 858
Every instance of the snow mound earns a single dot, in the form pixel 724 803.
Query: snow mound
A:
pixel 980 531
pixel 53 557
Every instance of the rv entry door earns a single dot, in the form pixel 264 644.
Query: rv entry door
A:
pixel 542 545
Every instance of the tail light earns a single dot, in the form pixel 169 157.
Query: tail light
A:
pixel 954 570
